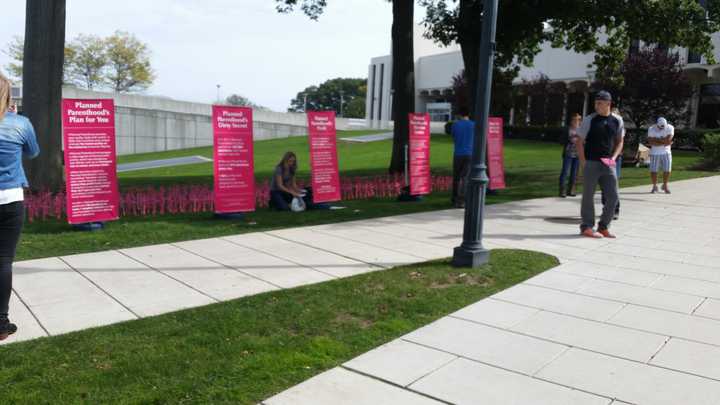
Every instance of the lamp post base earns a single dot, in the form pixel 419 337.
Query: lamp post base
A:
pixel 463 257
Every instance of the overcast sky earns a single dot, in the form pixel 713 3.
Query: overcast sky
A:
pixel 245 46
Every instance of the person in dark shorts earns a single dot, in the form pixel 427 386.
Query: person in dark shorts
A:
pixel 463 133
pixel 601 142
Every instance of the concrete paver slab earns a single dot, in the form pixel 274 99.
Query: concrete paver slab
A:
pixel 343 387
pixel 669 323
pixel 400 362
pixel 28 326
pixel 320 260
pixel 63 300
pixel 691 357
pixel 350 249
pixel 710 308
pixel 591 335
pixel 141 289
pixel 629 381
pixel 264 271
pixel 627 276
pixel 496 313
pixel 561 302
pixel 468 382
pixel 487 344
pixel 210 278
pixel 641 296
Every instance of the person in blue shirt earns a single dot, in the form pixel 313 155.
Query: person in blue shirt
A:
pixel 17 139
pixel 463 133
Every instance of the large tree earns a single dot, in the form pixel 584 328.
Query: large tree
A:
pixel 42 88
pixel 119 62
pixel 650 83
pixel 128 63
pixel 330 94
pixel 523 25
pixel 403 68
pixel 86 61
pixel 15 50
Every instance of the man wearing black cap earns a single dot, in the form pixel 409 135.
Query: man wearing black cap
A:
pixel 600 144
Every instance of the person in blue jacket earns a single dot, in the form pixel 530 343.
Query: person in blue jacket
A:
pixel 17 140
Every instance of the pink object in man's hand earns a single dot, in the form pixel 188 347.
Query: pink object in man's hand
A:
pixel 608 162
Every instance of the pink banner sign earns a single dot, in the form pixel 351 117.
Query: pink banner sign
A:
pixel 90 163
pixel 419 154
pixel 234 163
pixel 323 156
pixel 496 161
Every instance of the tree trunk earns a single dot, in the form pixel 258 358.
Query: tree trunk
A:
pixel 469 36
pixel 403 79
pixel 42 88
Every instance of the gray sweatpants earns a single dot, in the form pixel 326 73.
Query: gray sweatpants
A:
pixel 597 173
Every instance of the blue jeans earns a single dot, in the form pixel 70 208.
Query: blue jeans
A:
pixel 570 164
pixel 280 200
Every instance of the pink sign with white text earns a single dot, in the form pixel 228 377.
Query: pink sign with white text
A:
pixel 323 156
pixel 496 160
pixel 90 163
pixel 233 163
pixel 419 154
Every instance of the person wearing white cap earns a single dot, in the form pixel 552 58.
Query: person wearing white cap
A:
pixel 660 137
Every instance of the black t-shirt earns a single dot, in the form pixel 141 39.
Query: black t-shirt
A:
pixel 601 135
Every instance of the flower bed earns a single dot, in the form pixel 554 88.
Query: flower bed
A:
pixel 187 199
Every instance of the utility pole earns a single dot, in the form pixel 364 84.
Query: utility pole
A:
pixel 218 94
pixel 472 253
pixel 342 101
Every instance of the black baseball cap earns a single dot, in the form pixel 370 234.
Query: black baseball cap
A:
pixel 603 95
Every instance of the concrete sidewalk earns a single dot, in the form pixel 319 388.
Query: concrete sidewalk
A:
pixel 636 319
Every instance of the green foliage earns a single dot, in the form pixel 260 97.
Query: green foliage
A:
pixel 312 8
pixel 576 25
pixel 649 83
pixel 15 50
pixel 129 63
pixel 711 149
pixel 120 62
pixel 355 108
pixel 328 95
pixel 242 101
pixel 86 61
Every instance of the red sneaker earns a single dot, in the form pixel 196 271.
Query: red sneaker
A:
pixel 588 232
pixel 606 234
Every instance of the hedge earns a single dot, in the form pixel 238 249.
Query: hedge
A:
pixel 691 139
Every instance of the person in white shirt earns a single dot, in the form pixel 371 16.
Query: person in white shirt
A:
pixel 660 138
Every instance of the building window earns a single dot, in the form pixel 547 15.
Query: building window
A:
pixel 372 92
pixel 381 91
pixel 440 111
pixel 693 57
pixel 16 92
pixel 634 47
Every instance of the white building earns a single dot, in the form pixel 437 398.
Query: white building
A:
pixel 435 68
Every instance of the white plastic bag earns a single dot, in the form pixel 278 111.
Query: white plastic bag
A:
pixel 297 205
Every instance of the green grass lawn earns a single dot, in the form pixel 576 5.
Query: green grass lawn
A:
pixel 246 350
pixel 531 172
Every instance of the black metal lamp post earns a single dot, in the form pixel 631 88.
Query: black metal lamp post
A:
pixel 472 253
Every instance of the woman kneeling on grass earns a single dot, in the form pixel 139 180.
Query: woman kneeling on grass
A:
pixel 283 187
pixel 17 139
